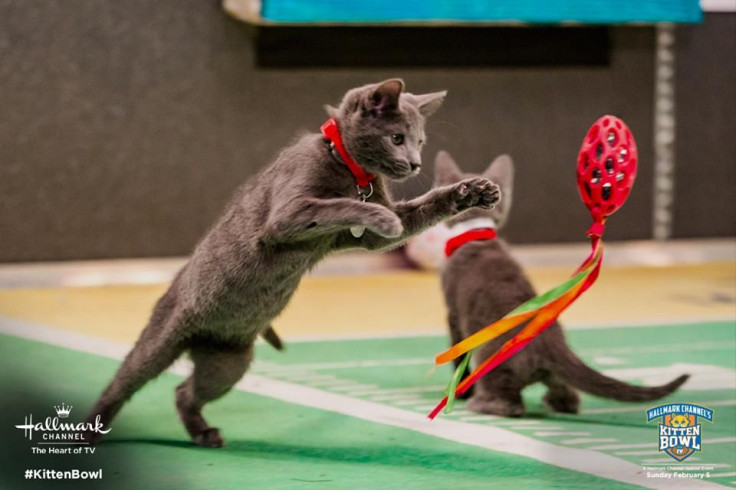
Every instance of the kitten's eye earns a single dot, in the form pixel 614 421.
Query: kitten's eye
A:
pixel 397 139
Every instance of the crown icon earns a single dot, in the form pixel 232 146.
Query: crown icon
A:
pixel 63 410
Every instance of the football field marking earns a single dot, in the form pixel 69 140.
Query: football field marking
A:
pixel 484 436
pixel 560 433
pixel 274 369
pixel 703 377
pixel 586 440
pixel 387 391
pixel 643 408
pixel 717 440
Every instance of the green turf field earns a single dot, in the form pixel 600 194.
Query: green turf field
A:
pixel 276 444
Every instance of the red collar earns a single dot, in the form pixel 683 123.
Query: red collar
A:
pixel 469 236
pixel 332 133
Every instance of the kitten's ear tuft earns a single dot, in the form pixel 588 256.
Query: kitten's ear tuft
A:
pixel 501 172
pixel 384 98
pixel 446 170
pixel 429 103
pixel 331 111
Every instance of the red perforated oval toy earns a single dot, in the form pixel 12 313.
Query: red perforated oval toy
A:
pixel 606 166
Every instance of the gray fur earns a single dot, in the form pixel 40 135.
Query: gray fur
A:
pixel 278 225
pixel 481 284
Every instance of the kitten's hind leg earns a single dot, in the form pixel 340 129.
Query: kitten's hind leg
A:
pixel 498 393
pixel 153 352
pixel 560 396
pixel 217 367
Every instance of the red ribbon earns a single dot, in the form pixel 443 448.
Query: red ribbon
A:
pixel 332 133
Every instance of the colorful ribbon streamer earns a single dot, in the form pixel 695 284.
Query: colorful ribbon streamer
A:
pixel 540 312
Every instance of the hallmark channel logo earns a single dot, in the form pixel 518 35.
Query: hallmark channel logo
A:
pixel 63 411
pixel 53 431
pixel 680 434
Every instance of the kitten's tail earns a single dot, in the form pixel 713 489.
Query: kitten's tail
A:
pixel 578 374
pixel 270 336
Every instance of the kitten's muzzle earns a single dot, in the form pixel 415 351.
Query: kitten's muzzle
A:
pixel 414 166
pixel 401 169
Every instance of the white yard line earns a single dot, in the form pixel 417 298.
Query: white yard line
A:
pixel 304 376
pixel 480 418
pixel 536 427
pixel 514 421
pixel 638 453
pixel 388 398
pixel 639 408
pixel 356 364
pixel 385 391
pixel 459 412
pixel 560 433
pixel 722 475
pixel 668 460
pixel 440 331
pixel 410 401
pixel 703 377
pixel 330 383
pixel 586 440
pixel 297 370
pixel 425 408
pixel 608 447
pixel 483 436
pixel 608 361
pixel 653 349
pixel 356 386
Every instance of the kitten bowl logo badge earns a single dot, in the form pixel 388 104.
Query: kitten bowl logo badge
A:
pixel 680 433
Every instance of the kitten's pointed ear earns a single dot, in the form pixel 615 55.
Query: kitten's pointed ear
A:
pixel 429 103
pixel 501 172
pixel 446 170
pixel 331 111
pixel 384 97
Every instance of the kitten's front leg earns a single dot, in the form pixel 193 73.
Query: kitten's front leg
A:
pixel 431 208
pixel 444 202
pixel 311 217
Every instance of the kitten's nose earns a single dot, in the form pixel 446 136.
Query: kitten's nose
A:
pixel 414 166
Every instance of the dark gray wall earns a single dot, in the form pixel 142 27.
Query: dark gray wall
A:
pixel 705 177
pixel 125 126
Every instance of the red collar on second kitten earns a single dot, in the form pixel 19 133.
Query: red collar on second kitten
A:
pixel 470 231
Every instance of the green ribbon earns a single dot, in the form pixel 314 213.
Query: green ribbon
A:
pixel 551 295
pixel 450 390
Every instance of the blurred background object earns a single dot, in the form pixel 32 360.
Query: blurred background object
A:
pixel 125 126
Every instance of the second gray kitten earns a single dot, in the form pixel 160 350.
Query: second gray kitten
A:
pixel 481 284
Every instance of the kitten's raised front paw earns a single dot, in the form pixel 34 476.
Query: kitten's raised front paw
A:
pixel 386 224
pixel 476 192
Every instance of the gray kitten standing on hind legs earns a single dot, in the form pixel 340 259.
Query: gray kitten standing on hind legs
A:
pixel 482 283
pixel 278 225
